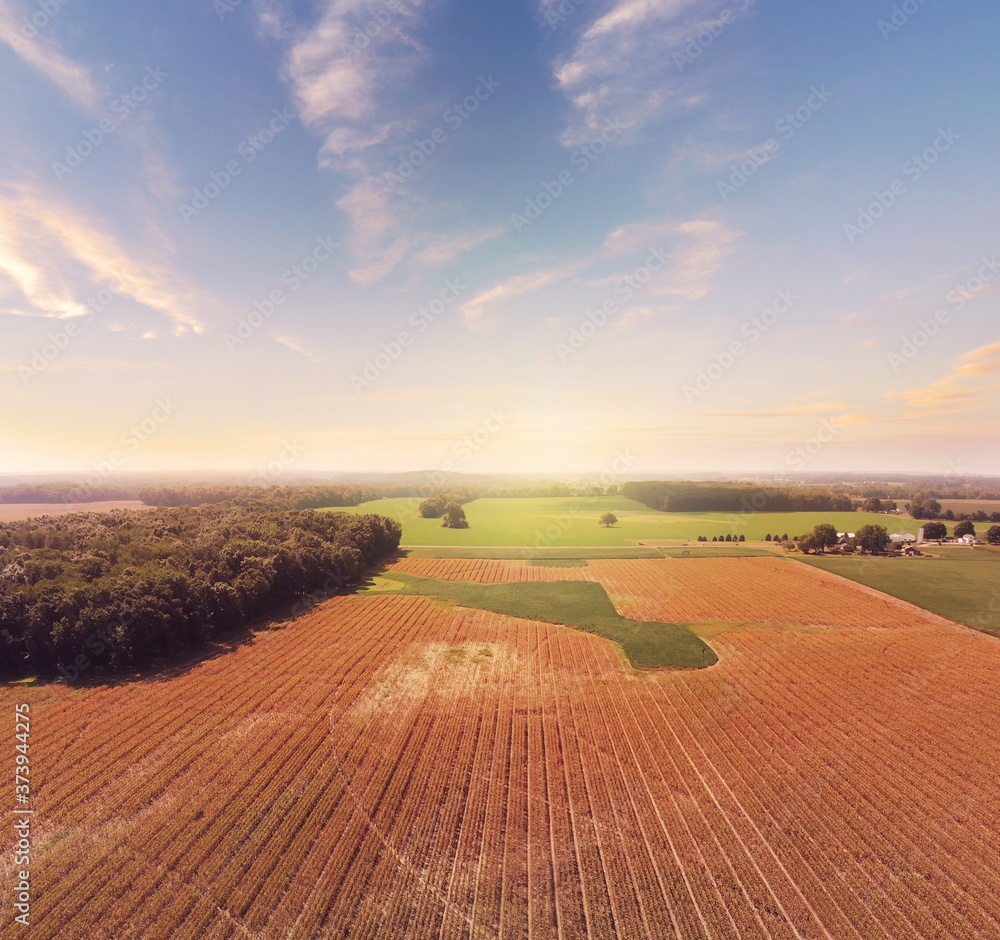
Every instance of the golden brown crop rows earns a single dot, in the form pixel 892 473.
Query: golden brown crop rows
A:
pixel 767 590
pixel 385 767
pixel 487 570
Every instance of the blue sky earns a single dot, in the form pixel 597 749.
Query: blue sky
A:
pixel 709 236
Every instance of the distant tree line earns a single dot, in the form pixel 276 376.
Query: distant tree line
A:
pixel 64 493
pixel 126 589
pixel 921 508
pixel 734 497
pixel 272 497
pixel 276 497
pixel 929 489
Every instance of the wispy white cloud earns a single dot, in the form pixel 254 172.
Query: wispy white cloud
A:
pixel 44 54
pixel 957 392
pixel 696 248
pixel 295 346
pixel 54 256
pixel 443 249
pixel 621 66
pixel 517 285
pixel 345 72
pixel 980 361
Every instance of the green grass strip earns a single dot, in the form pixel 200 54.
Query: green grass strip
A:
pixel 723 551
pixel 581 604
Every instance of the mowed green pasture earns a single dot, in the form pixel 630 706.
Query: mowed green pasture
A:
pixel 574 521
pixel 963 584
pixel 581 604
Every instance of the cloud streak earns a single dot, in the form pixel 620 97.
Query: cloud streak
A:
pixel 44 54
pixel 54 257
pixel 345 72
pixel 621 65
pixel 951 395
pixel 697 251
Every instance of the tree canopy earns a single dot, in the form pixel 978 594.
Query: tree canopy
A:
pixel 935 530
pixel 143 585
pixel 454 517
pixel 734 497
pixel 872 538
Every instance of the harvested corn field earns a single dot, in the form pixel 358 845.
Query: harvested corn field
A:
pixel 388 767
pixel 771 590
pixel 488 570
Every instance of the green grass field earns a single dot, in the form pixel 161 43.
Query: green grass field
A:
pixel 725 550
pixel 573 521
pixel 581 604
pixel 963 584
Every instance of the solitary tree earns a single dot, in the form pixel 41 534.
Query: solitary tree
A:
pixel 872 504
pixel 993 535
pixel 964 528
pixel 609 519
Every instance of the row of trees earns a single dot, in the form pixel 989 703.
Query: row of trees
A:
pixel 125 589
pixel 735 497
pixel 64 493
pixel 720 538
pixel 931 509
pixel 273 497
pixel 936 531
pixel 277 497
pixel 930 488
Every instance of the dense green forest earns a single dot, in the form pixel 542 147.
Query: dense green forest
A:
pixel 735 497
pixel 126 589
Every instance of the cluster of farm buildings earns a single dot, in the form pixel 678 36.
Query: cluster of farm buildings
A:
pixel 909 542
